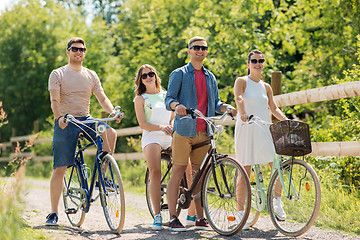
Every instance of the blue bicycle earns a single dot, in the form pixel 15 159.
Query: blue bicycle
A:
pixel 78 193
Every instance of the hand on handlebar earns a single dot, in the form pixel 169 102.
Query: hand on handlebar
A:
pixel 116 113
pixel 245 118
pixel 62 122
pixel 231 111
pixel 180 109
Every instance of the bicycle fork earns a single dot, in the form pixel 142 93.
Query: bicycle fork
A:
pixel 213 166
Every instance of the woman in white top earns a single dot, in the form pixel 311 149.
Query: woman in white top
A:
pixel 155 121
pixel 253 142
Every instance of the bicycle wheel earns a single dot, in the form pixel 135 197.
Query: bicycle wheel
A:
pixel 112 197
pixel 221 206
pixel 73 197
pixel 165 176
pixel 302 203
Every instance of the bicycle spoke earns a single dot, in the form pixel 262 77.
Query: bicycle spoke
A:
pixel 300 200
pixel 72 197
pixel 220 196
pixel 165 176
pixel 112 195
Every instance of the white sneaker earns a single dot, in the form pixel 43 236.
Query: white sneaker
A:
pixel 241 215
pixel 279 210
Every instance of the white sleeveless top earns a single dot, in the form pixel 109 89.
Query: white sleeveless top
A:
pixel 155 110
pixel 253 142
pixel 156 113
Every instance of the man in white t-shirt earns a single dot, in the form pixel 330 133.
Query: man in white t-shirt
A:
pixel 70 89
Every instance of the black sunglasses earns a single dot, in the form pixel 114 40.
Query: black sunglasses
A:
pixel 75 49
pixel 255 61
pixel 197 48
pixel 145 75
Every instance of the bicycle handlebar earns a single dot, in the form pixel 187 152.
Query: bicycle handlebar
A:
pixel 209 120
pixel 196 113
pixel 68 117
pixel 255 119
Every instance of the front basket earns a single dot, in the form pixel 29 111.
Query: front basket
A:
pixel 291 138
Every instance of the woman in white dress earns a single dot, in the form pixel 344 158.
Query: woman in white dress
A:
pixel 253 142
pixel 155 121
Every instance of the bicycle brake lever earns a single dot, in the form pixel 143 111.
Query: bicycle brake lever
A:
pixel 191 112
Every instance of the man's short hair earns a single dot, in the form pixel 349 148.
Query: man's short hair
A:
pixel 75 40
pixel 195 39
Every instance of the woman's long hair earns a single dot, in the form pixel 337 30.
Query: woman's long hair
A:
pixel 139 86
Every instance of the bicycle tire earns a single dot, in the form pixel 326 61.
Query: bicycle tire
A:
pixel 221 210
pixel 72 197
pixel 302 210
pixel 112 197
pixel 165 177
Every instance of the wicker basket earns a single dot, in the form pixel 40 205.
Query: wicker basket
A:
pixel 291 138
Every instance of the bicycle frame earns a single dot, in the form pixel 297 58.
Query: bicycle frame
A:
pixel 209 161
pixel 261 189
pixel 82 173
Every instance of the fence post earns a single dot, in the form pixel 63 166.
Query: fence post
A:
pixel 1 150
pixel 276 86
pixel 36 126
pixel 13 134
pixel 104 114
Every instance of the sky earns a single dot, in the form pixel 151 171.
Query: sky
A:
pixel 6 3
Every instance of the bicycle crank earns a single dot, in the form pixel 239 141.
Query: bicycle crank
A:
pixel 184 199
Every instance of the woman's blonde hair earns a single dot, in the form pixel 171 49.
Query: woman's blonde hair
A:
pixel 139 86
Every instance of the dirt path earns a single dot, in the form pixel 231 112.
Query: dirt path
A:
pixel 137 222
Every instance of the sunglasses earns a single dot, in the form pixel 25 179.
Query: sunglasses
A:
pixel 197 48
pixel 255 61
pixel 145 75
pixel 75 49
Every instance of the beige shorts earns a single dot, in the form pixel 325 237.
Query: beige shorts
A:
pixel 181 149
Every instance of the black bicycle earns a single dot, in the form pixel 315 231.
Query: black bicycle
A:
pixel 218 193
pixel 78 194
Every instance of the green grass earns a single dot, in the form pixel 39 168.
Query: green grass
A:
pixel 340 207
pixel 12 226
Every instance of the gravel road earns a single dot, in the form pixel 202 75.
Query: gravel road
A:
pixel 138 222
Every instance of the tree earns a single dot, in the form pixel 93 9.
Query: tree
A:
pixel 33 38
pixel 147 31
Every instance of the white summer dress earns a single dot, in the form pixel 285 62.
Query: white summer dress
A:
pixel 253 142
pixel 156 113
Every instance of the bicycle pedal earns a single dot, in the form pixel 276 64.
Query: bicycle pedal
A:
pixel 70 211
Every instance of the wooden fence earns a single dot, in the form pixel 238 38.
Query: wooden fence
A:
pixel 333 92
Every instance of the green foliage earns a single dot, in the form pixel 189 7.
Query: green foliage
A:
pixel 10 221
pixel 343 126
pixel 29 50
pixel 339 205
pixel 311 42
pixel 133 172
pixel 12 226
